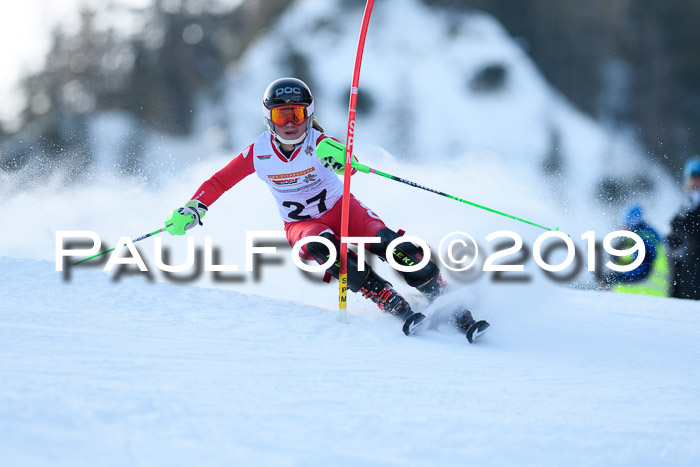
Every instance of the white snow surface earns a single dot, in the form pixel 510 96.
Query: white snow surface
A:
pixel 98 372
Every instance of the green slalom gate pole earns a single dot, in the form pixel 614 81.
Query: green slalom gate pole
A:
pixel 143 237
pixel 329 148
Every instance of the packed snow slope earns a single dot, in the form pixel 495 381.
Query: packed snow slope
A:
pixel 253 368
pixel 130 372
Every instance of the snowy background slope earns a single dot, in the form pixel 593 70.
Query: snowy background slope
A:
pixel 427 100
pixel 137 373
pixel 486 147
pixel 252 369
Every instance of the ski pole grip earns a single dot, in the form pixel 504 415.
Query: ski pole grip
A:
pixel 329 148
pixel 360 167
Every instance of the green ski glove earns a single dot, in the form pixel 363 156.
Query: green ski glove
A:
pixel 332 155
pixel 182 219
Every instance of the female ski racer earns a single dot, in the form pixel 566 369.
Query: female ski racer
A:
pixel 308 193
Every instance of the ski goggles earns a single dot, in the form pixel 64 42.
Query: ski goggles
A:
pixel 297 114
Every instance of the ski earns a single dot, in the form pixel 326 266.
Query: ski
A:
pixel 476 330
pixel 413 322
pixel 471 328
pixel 465 322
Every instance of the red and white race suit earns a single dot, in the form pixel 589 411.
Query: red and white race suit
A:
pixel 303 188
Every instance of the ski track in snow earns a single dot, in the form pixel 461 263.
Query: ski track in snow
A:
pixel 104 372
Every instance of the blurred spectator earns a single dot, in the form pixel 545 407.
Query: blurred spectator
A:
pixel 684 239
pixel 652 277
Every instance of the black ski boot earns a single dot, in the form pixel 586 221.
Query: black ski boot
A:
pixel 427 280
pixel 463 320
pixel 383 294
pixel 388 300
pixel 434 287
pixel 369 284
pixel 466 323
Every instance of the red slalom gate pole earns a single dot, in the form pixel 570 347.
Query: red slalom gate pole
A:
pixel 343 275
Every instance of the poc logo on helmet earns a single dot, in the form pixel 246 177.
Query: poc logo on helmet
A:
pixel 287 90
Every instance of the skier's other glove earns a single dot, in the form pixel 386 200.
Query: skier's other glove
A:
pixel 179 220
